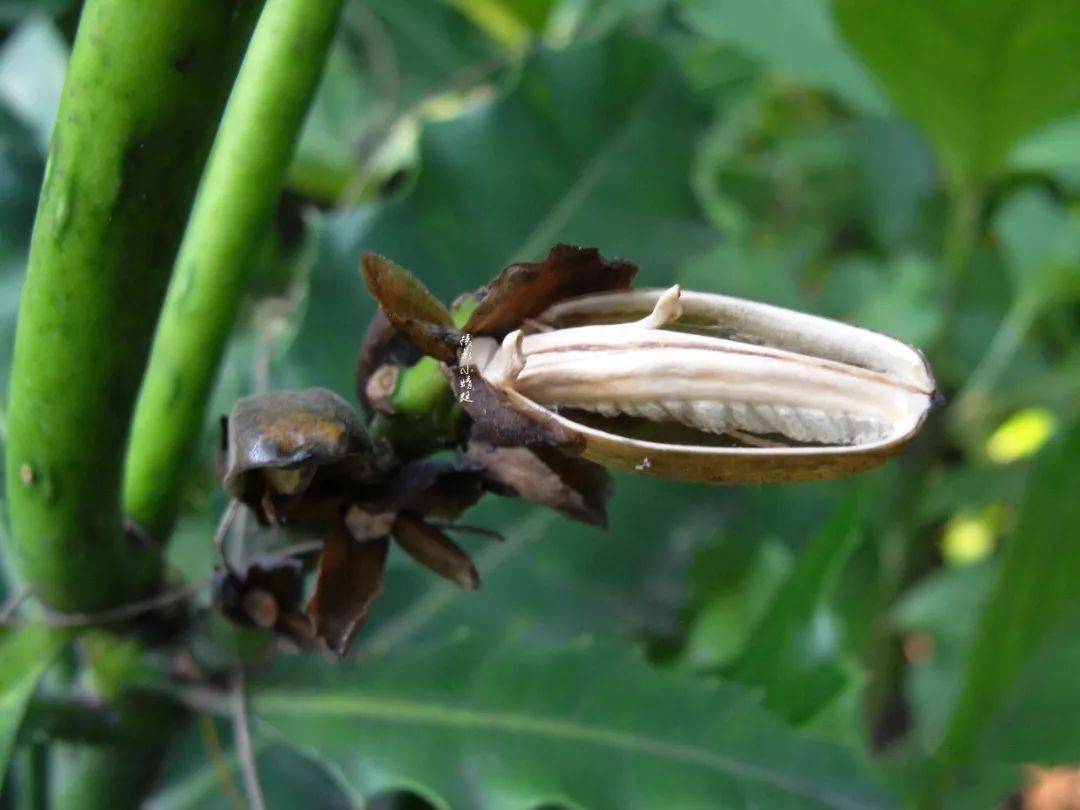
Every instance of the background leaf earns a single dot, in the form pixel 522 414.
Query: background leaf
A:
pixel 977 75
pixel 1034 595
pixel 1053 150
pixel 1045 688
pixel 928 616
pixel 794 653
pixel 26 653
pixel 556 577
pixel 794 38
pixel 517 725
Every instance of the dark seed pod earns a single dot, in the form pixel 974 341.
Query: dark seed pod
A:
pixel 278 440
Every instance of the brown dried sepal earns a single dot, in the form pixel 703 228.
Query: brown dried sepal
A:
pixel 267 596
pixel 523 291
pixel 349 578
pixel 432 548
pixel 380 387
pixel 382 345
pixel 496 421
pixel 574 487
pixel 410 308
pixel 440 488
pixel 1049 789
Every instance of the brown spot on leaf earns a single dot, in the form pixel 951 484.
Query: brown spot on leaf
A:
pixel 919 649
pixel 291 432
pixel 525 290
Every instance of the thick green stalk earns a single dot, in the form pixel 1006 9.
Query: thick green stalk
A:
pixel 145 87
pixel 228 224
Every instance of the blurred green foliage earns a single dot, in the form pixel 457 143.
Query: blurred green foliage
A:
pixel 906 165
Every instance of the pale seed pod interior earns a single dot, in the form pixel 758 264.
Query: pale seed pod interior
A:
pixel 698 386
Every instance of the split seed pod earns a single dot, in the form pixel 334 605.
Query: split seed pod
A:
pixel 701 387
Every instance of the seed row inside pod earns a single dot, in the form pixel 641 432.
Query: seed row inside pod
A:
pixel 826 398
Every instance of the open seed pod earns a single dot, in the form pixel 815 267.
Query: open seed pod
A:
pixel 701 387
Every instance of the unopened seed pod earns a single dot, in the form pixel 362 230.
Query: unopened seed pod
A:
pixel 284 436
pixel 701 387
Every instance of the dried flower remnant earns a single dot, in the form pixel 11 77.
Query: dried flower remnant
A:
pixel 275 444
pixel 268 596
pixel 541 381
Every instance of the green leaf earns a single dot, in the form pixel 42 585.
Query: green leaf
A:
pixel 1054 150
pixel 1034 724
pixel 895 176
pixel 977 75
pixel 511 22
pixel 557 577
pixel 796 38
pixel 388 57
pixel 751 575
pixel 794 653
pixel 26 652
pixel 196 775
pixel 943 608
pixel 1040 243
pixel 590 147
pixel 521 724
pixel 1036 591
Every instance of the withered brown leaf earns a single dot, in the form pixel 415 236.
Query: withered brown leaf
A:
pixel 349 578
pixel 411 308
pixel 525 290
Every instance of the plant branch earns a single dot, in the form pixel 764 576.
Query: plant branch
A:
pixel 228 223
pixel 244 750
pixel 146 84
pixel 961 238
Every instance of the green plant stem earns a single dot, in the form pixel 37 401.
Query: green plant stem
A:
pixel 145 87
pixel 971 403
pixel 961 236
pixel 228 224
